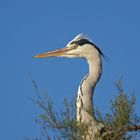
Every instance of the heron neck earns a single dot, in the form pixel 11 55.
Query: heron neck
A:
pixel 95 68
pixel 86 88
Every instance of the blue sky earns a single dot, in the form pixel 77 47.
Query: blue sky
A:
pixel 28 27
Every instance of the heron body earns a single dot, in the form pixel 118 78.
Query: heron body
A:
pixel 82 47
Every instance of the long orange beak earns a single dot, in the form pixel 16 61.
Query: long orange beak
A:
pixel 58 52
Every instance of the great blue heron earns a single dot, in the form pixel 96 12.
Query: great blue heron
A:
pixel 82 47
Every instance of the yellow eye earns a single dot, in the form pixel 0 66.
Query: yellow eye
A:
pixel 75 46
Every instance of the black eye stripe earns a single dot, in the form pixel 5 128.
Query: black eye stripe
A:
pixel 85 41
pixel 82 42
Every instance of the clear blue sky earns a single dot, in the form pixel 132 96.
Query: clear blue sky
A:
pixel 28 27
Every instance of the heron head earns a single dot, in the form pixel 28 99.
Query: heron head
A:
pixel 80 46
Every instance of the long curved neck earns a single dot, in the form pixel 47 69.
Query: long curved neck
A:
pixel 85 92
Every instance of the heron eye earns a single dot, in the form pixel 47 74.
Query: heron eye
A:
pixel 75 46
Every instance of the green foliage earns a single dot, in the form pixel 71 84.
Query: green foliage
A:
pixel 122 108
pixel 64 126
pixel 121 116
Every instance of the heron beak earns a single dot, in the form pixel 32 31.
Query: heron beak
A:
pixel 58 52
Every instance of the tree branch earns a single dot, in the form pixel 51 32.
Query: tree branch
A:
pixel 133 128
